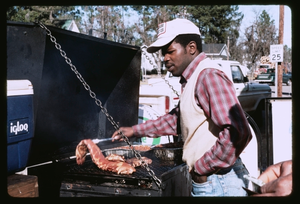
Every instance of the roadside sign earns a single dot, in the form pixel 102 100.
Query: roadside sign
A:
pixel 276 53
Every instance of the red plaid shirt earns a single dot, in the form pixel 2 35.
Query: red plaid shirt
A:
pixel 215 94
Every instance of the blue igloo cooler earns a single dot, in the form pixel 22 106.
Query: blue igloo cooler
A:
pixel 20 125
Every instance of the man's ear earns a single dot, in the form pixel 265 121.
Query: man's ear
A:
pixel 192 47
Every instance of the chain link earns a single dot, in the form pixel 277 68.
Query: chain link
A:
pixel 155 67
pixel 99 103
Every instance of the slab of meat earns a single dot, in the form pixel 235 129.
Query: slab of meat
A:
pixel 115 157
pixel 99 159
pixel 132 161
pixel 136 162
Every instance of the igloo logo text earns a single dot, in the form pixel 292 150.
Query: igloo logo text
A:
pixel 18 127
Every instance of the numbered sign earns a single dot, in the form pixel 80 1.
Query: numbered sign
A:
pixel 276 53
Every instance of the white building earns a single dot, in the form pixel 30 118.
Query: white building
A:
pixel 216 51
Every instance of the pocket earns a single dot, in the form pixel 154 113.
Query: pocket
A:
pixel 202 189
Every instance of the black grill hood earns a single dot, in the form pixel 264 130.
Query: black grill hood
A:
pixel 64 113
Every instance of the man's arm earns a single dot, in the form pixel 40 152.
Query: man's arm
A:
pixel 216 96
pixel 163 125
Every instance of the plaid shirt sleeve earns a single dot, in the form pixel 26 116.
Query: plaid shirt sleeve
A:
pixel 164 125
pixel 215 94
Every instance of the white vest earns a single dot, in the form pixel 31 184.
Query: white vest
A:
pixel 198 132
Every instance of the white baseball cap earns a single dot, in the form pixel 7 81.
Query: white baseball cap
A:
pixel 167 31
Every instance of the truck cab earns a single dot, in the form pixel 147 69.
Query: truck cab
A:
pixel 269 77
pixel 250 94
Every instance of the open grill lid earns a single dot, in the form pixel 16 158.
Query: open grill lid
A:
pixel 64 113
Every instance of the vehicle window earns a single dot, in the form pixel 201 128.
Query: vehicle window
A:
pixel 237 75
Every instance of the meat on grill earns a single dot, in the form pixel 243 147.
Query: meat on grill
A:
pixel 99 159
pixel 132 161
pixel 115 157
pixel 136 162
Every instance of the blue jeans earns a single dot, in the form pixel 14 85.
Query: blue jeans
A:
pixel 226 182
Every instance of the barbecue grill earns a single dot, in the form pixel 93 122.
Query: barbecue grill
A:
pixel 64 113
pixel 88 180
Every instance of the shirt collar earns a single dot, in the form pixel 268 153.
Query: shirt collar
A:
pixel 187 73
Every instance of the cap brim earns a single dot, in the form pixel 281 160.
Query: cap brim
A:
pixel 153 49
pixel 159 43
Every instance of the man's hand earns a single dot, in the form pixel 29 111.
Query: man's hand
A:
pixel 196 177
pixel 127 131
pixel 279 187
pixel 278 179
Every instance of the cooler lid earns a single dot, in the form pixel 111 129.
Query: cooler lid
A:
pixel 19 87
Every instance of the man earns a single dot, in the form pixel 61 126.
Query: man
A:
pixel 212 123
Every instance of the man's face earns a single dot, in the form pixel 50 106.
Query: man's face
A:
pixel 176 58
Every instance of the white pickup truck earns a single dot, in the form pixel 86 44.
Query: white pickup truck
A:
pixel 160 96
pixel 156 99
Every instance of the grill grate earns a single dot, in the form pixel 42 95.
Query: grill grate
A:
pixel 89 180
pixel 89 169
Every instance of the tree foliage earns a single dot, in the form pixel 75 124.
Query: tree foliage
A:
pixel 107 22
pixel 151 16
pixel 50 15
pixel 258 38
pixel 217 23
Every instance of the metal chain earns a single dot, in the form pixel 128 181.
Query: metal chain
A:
pixel 99 103
pixel 166 81
pixel 155 67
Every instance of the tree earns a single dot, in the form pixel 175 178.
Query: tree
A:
pixel 50 15
pixel 216 22
pixel 107 22
pixel 287 54
pixel 145 25
pixel 259 37
pixel 287 59
pixel 152 15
